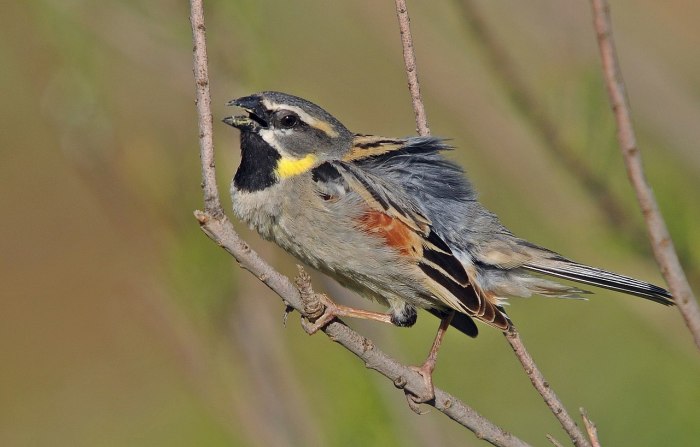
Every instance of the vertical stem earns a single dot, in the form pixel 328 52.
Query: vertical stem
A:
pixel 660 239
pixel 409 58
pixel 513 337
pixel 212 204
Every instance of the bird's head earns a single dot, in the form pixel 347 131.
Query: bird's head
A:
pixel 296 133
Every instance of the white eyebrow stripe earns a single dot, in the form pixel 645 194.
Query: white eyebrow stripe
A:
pixel 323 126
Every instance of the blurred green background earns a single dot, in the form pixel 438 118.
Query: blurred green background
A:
pixel 122 324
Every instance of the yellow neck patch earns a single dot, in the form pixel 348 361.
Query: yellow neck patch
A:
pixel 289 167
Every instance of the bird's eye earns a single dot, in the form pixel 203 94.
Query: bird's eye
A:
pixel 288 120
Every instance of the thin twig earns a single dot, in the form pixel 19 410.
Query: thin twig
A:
pixel 409 58
pixel 212 204
pixel 547 393
pixel 659 236
pixel 591 429
pixel 217 226
pixel 553 440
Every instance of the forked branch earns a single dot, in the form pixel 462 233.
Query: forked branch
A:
pixel 529 365
pixel 216 225
pixel 409 58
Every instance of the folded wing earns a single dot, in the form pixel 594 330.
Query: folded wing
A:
pixel 393 217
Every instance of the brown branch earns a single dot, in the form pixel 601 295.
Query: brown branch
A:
pixel 547 393
pixel 221 231
pixel 553 440
pixel 591 429
pixel 513 337
pixel 217 226
pixel 660 239
pixel 407 378
pixel 212 204
pixel 409 58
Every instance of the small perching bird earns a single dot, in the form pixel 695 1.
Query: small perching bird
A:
pixel 393 220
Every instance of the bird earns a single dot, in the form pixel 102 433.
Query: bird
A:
pixel 394 220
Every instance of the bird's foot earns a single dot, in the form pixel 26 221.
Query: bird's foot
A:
pixel 428 394
pixel 330 311
pixel 427 368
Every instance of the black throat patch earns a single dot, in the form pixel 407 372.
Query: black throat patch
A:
pixel 258 162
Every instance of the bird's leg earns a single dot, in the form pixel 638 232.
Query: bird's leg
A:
pixel 332 310
pixel 427 368
pixel 319 310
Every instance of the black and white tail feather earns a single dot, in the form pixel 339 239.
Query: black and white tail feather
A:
pixel 563 268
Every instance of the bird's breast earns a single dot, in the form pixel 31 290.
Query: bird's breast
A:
pixel 260 209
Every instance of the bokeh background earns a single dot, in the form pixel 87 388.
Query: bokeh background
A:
pixel 122 324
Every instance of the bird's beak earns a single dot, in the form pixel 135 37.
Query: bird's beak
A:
pixel 241 122
pixel 247 102
pixel 256 113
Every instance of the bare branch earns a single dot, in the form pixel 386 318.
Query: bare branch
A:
pixel 212 204
pixel 217 226
pixel 591 429
pixel 409 58
pixel 221 231
pixel 547 393
pixel 513 337
pixel 659 236
pixel 554 442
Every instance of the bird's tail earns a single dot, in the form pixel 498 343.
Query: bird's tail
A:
pixel 563 268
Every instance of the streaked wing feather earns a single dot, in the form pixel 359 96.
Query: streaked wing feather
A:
pixel 372 190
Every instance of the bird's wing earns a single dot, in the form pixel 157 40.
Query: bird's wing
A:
pixel 395 218
pixel 415 163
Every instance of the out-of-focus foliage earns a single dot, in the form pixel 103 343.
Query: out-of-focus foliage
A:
pixel 121 324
